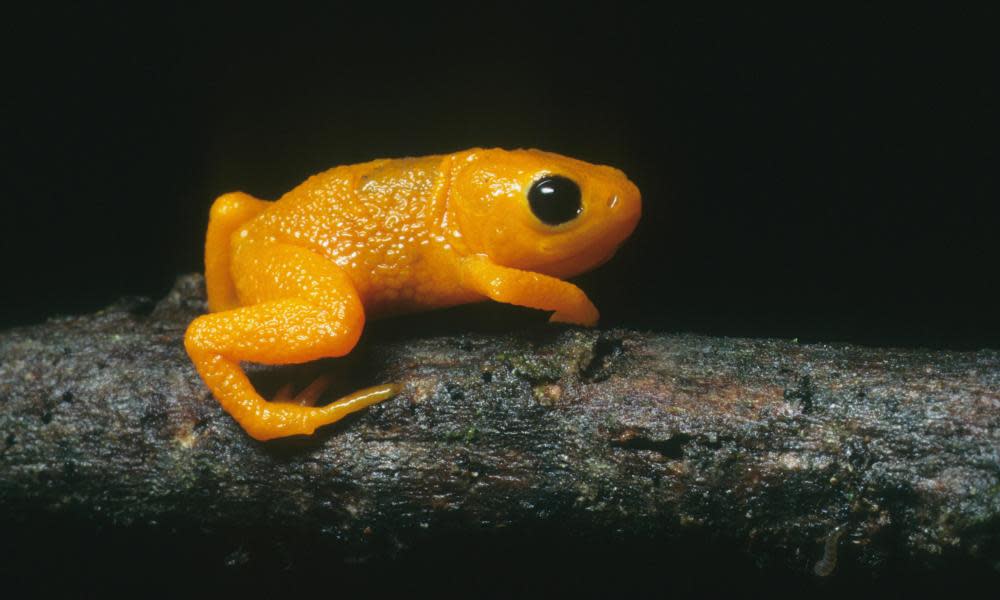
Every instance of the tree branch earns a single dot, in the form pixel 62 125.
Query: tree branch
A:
pixel 812 457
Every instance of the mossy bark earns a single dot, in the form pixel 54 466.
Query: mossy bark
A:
pixel 782 451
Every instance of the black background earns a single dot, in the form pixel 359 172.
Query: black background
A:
pixel 825 176
pixel 821 176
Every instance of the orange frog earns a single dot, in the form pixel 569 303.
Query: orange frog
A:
pixel 293 280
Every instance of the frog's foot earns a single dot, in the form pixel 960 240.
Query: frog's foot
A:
pixel 336 410
pixel 581 312
pixel 356 401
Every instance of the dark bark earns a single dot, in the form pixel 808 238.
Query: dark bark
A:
pixel 809 458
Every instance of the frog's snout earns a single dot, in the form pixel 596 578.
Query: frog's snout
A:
pixel 625 206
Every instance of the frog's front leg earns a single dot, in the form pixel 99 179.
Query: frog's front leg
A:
pixel 526 288
pixel 301 307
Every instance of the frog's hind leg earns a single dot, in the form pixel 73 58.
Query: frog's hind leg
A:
pixel 307 308
pixel 228 213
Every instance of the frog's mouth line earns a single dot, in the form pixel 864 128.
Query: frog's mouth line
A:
pixel 595 254
pixel 584 260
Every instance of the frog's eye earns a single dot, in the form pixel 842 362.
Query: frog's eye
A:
pixel 555 199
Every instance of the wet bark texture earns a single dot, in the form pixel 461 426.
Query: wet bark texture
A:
pixel 811 458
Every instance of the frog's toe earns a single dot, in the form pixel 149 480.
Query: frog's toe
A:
pixel 361 399
pixel 308 396
pixel 285 395
pixel 584 318
pixel 313 391
pixel 309 419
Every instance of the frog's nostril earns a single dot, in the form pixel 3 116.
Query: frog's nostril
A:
pixel 613 201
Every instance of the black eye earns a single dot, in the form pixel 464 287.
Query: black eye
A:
pixel 554 199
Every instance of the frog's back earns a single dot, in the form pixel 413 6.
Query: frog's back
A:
pixel 370 218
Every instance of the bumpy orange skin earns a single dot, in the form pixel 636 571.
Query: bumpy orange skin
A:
pixel 293 280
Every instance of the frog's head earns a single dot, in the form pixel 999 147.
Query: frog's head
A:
pixel 541 212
